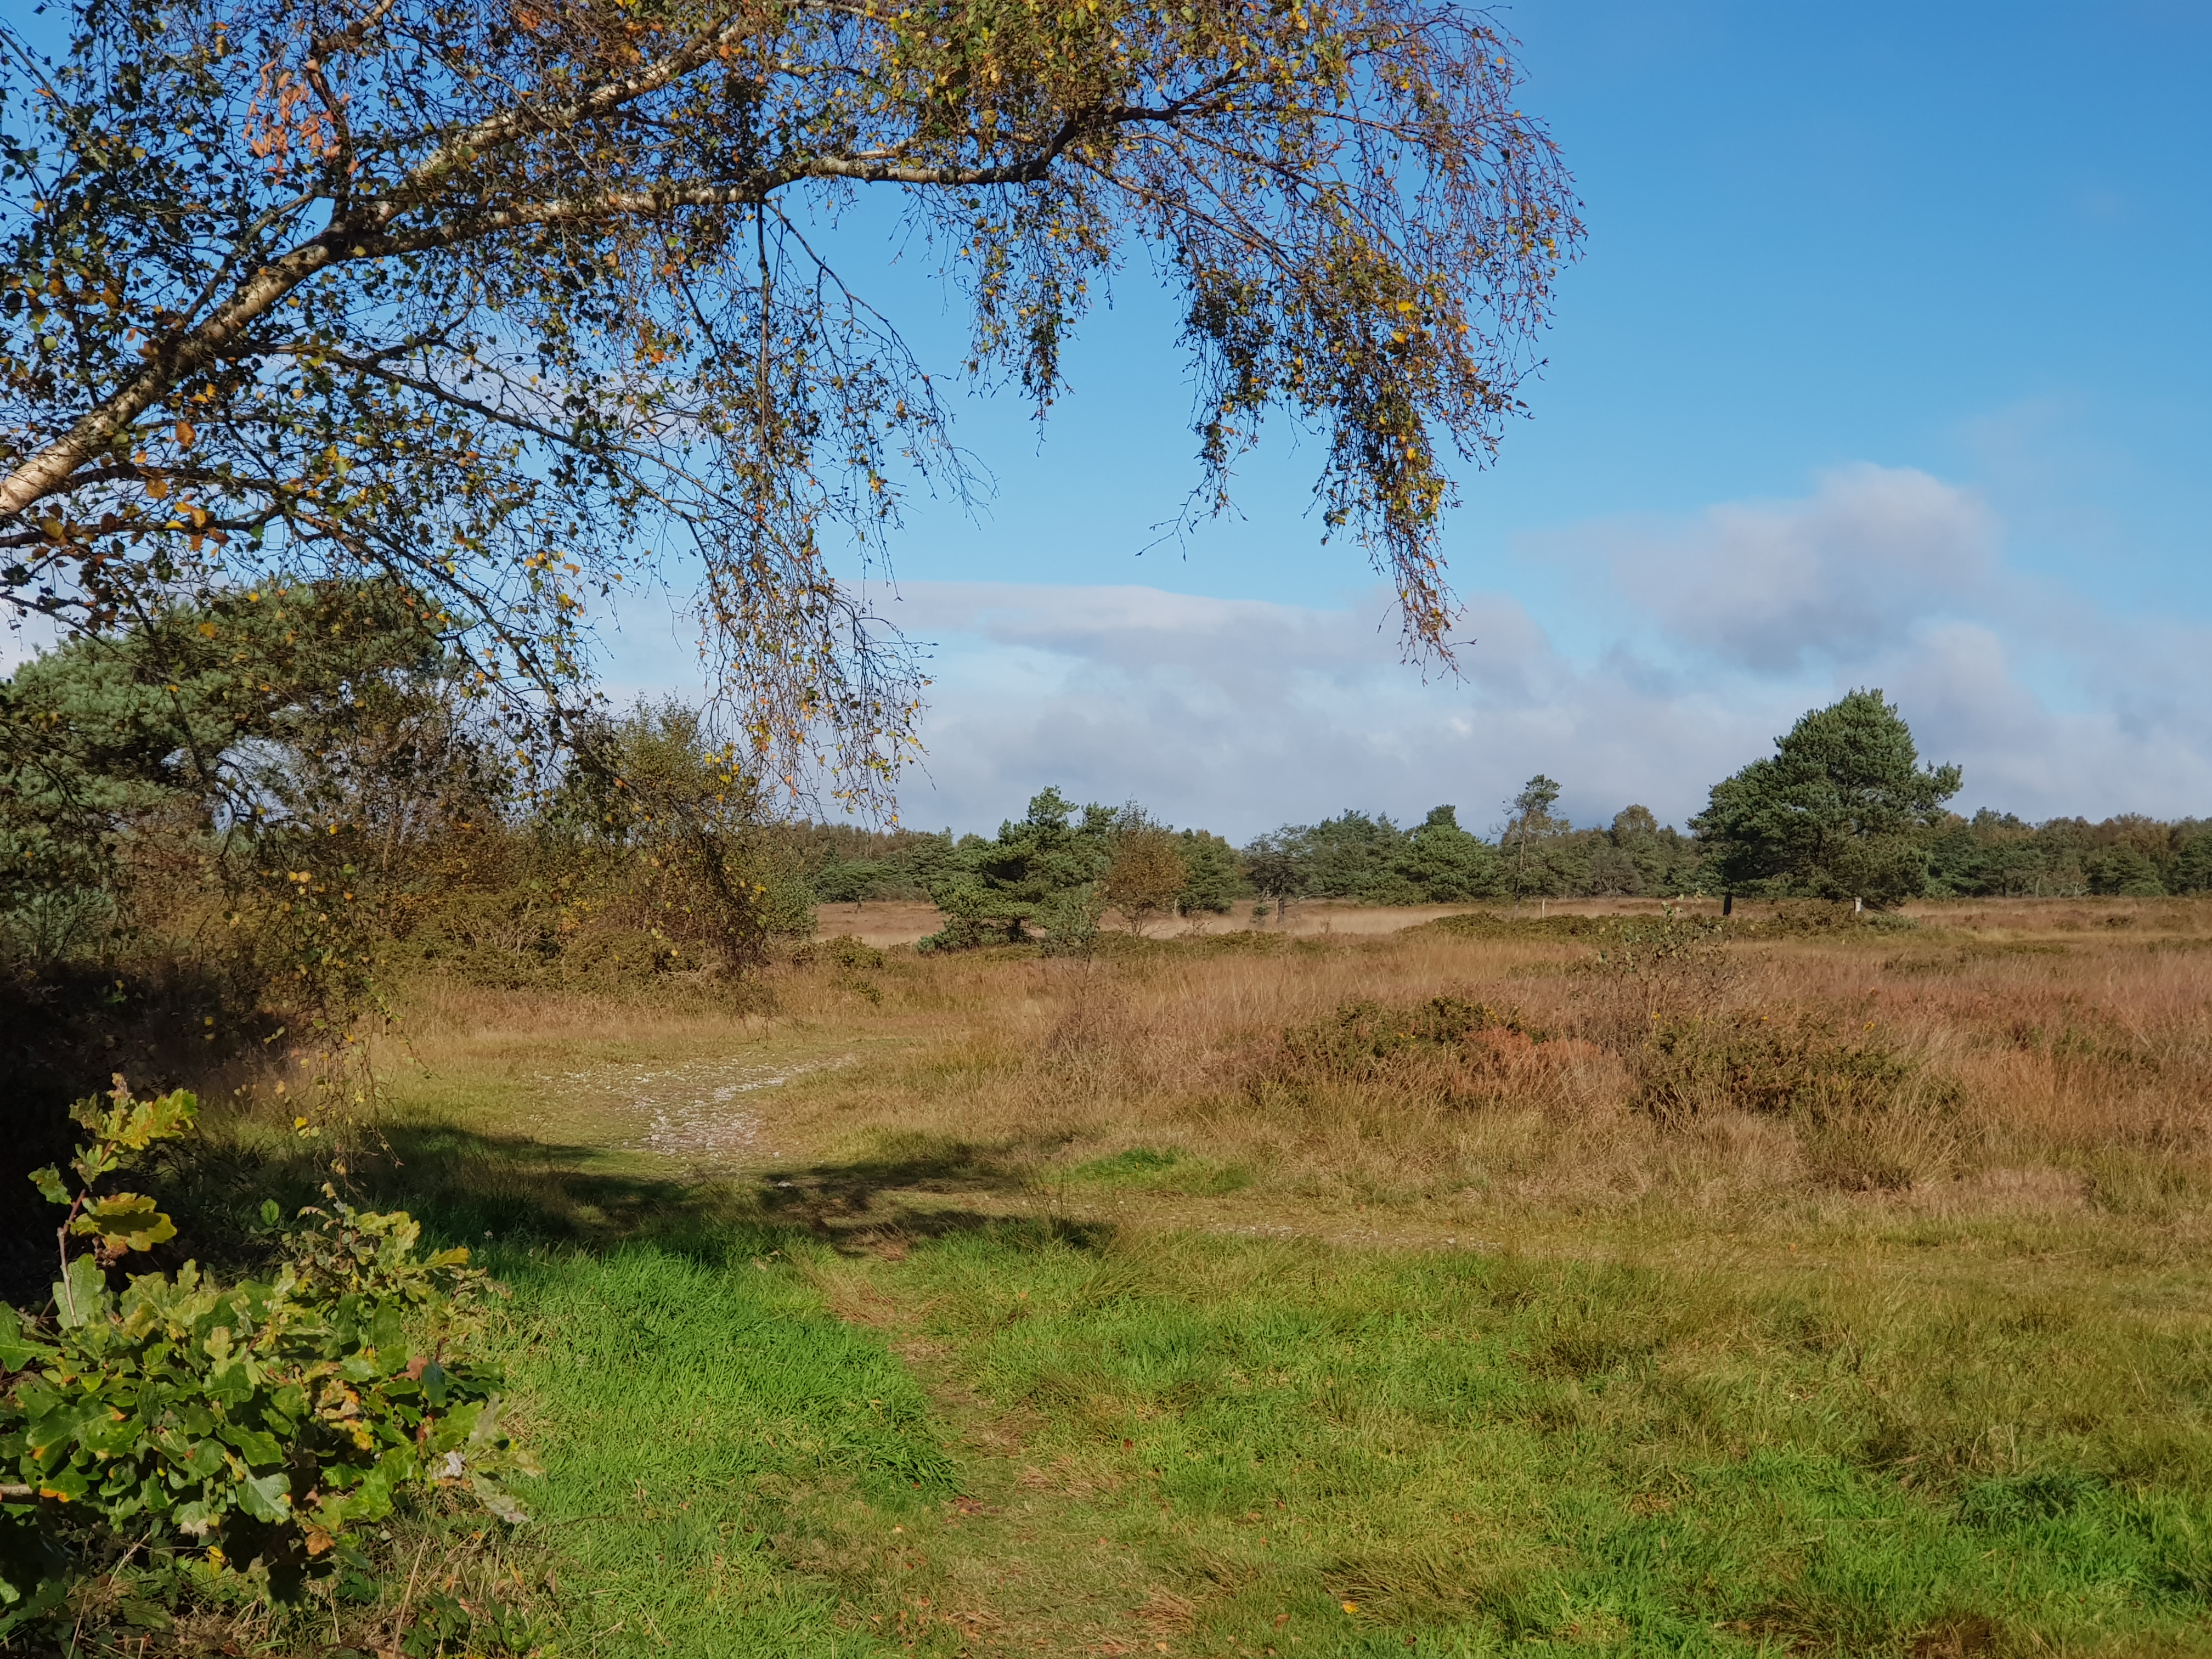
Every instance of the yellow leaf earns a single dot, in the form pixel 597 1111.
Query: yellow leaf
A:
pixel 127 1221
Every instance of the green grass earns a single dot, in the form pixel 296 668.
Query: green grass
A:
pixel 1479 1452
pixel 713 1438
pixel 892 1393
pixel 1217 1443
pixel 1168 1169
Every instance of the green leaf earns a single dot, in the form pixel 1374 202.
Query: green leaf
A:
pixel 265 1497
pixel 48 1180
pixel 257 1448
pixel 80 1293
pixel 124 1221
pixel 229 1383
pixel 18 1349
pixel 164 1117
pixel 387 1334
pixel 193 1519
pixel 370 1500
pixel 67 1483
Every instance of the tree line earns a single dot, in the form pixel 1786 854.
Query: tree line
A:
pixel 1841 810
pixel 293 788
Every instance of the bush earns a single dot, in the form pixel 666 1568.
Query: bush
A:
pixel 1788 1063
pixel 245 1428
pixel 1805 918
pixel 1749 1063
pixel 845 952
pixel 1461 1055
pixel 1365 1037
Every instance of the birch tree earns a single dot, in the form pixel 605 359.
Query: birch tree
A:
pixel 512 301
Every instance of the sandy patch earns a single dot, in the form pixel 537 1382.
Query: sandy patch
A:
pixel 885 922
pixel 701 1112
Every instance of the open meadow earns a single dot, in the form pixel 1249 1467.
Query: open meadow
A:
pixel 1593 1283
pixel 668 991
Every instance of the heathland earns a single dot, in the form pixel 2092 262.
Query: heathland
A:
pixel 1609 1282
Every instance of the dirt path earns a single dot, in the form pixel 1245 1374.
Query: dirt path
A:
pixel 884 923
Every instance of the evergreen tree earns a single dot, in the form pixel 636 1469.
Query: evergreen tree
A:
pixel 1210 883
pixel 332 710
pixel 2192 865
pixel 1044 869
pixel 1273 865
pixel 1529 818
pixel 1443 864
pixel 1348 856
pixel 1842 809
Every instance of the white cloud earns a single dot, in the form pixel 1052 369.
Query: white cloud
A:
pixel 24 637
pixel 1239 714
pixel 1779 586
pixel 2124 730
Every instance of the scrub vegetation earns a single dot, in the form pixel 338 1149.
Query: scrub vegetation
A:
pixel 1813 1268
pixel 1615 1282
pixel 538 1242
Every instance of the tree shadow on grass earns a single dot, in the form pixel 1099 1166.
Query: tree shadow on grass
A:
pixel 469 1186
pixel 867 1205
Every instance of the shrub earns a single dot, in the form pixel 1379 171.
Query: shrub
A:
pixel 852 955
pixel 248 1427
pixel 1795 1065
pixel 1817 918
pixel 1366 1036
pixel 1461 1054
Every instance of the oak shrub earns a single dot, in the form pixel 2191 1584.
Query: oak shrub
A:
pixel 203 1429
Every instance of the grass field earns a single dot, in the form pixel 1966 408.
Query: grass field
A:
pixel 1486 1287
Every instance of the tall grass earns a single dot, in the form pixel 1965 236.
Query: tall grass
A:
pixel 1834 1290
pixel 1945 1067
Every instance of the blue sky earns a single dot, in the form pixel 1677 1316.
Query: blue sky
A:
pixel 1887 363
pixel 1975 239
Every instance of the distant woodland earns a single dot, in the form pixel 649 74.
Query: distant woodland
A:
pixel 274 799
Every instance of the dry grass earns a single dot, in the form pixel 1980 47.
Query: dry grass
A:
pixel 1911 1063
pixel 1805 1260
pixel 1996 1060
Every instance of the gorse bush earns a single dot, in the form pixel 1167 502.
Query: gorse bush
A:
pixel 192 1427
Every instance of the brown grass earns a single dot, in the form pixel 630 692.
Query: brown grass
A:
pixel 1991 1058
pixel 1922 1206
